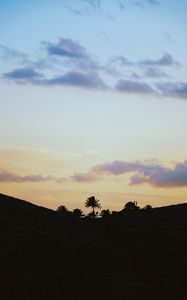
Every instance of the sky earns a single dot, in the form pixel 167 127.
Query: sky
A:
pixel 93 101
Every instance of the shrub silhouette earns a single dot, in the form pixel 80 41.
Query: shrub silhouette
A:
pixel 93 203
pixel 105 213
pixel 147 207
pixel 131 206
pixel 77 213
pixel 62 210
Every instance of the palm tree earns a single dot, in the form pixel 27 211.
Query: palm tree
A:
pixel 94 203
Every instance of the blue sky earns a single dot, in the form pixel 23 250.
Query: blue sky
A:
pixel 85 83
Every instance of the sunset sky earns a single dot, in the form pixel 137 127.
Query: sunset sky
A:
pixel 93 101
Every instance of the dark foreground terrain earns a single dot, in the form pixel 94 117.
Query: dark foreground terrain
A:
pixel 137 256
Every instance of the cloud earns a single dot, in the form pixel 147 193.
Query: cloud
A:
pixel 73 10
pixel 163 177
pixel 78 79
pixel 123 4
pixel 67 48
pixel 121 60
pixel 150 173
pixel 152 2
pixel 86 177
pixel 81 70
pixel 169 89
pixel 155 73
pixel 88 80
pixel 71 53
pixel 134 87
pixel 23 75
pixel 165 60
pixel 6 176
pixel 7 53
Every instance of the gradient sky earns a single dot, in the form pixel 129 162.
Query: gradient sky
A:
pixel 93 101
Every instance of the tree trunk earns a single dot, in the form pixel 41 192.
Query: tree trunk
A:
pixel 93 212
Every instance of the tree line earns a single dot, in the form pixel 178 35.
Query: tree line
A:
pixel 93 203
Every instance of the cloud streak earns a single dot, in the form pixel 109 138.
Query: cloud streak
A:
pixel 11 177
pixel 7 177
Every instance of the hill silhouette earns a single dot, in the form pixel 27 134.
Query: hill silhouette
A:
pixel 134 256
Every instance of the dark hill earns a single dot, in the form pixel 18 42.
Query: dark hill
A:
pixel 134 256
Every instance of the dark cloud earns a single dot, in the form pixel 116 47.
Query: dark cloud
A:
pixel 169 89
pixel 78 79
pixel 134 87
pixel 150 173
pixel 72 53
pixel 67 48
pixel 24 75
pixel 75 79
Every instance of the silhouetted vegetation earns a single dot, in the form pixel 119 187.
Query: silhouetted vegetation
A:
pixel 141 254
pixel 105 213
pixel 77 213
pixel 131 206
pixel 147 207
pixel 93 203
pixel 63 211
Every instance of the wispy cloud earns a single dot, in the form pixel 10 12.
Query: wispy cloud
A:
pixel 165 60
pixel 7 53
pixel 6 176
pixel 73 10
pixel 123 4
pixel 134 87
pixel 153 72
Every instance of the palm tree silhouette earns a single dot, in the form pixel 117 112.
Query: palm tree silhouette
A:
pixel 94 203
